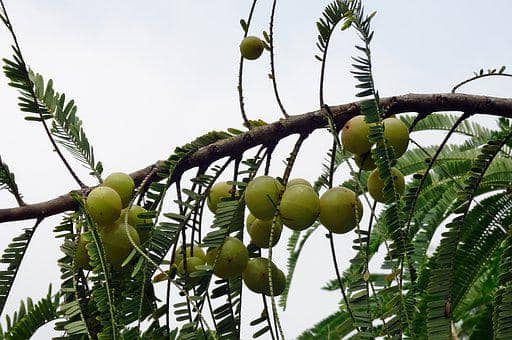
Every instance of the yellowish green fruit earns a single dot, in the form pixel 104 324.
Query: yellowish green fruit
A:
pixel 354 135
pixel 252 47
pixel 82 259
pixel 217 192
pixel 262 196
pixel 340 210
pixel 138 222
pixel 104 205
pixel 231 260
pixel 376 184
pixel 255 277
pixel 123 184
pixel 195 252
pixel 396 135
pixel 248 222
pixel 365 161
pixel 296 181
pixel 299 207
pixel 116 243
pixel 260 232
pixel 192 263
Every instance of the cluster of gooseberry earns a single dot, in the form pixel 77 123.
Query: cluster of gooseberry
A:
pixel 355 139
pixel 107 207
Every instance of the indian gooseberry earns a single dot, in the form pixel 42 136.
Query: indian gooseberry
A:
pixel 104 205
pixel 251 47
pixel 260 232
pixel 116 243
pixel 299 207
pixel 82 258
pixel 232 259
pixel 376 184
pixel 396 135
pixel 137 222
pixel 248 222
pixel 262 196
pixel 354 135
pixel 340 210
pixel 296 181
pixel 365 161
pixel 192 263
pixel 196 252
pixel 217 192
pixel 255 277
pixel 122 183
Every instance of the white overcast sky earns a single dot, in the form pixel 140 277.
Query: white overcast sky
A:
pixel 149 76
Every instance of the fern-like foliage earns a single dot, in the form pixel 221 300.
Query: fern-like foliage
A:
pixel 502 311
pixel 8 181
pixel 29 317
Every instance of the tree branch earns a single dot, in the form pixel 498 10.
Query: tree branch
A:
pixel 271 133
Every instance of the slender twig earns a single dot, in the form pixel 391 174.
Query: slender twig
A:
pixel 454 89
pixel 272 64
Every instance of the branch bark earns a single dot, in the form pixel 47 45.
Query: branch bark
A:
pixel 271 133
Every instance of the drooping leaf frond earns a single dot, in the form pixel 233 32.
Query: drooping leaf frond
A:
pixel 7 181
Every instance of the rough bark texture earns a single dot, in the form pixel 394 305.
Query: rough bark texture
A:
pixel 272 133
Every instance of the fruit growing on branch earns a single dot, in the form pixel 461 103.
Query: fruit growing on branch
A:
pixel 196 251
pixel 354 135
pixel 230 261
pixel 218 191
pixel 82 258
pixel 104 205
pixel 192 263
pixel 116 243
pixel 255 277
pixel 299 207
pixel 137 222
pixel 365 161
pixel 376 184
pixel 396 135
pixel 262 197
pixel 260 232
pixel 296 181
pixel 252 47
pixel 340 210
pixel 123 184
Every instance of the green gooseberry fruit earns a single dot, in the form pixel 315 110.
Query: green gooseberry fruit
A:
pixel 260 232
pixel 376 184
pixel 251 47
pixel 116 243
pixel 136 221
pixel 340 210
pixel 296 181
pixel 396 135
pixel 248 222
pixel 82 258
pixel 197 251
pixel 299 207
pixel 365 161
pixel 123 184
pixel 217 192
pixel 104 205
pixel 231 260
pixel 354 135
pixel 255 277
pixel 262 196
pixel 192 263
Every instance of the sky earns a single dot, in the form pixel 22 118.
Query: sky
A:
pixel 149 77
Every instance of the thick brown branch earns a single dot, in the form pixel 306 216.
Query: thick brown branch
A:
pixel 271 133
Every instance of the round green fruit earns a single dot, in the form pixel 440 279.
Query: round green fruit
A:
pixel 217 192
pixel 123 184
pixel 255 277
pixel 104 205
pixel 82 259
pixel 116 243
pixel 365 161
pixel 196 252
pixel 252 47
pixel 262 196
pixel 299 207
pixel 376 184
pixel 296 181
pixel 137 222
pixel 396 135
pixel 354 135
pixel 231 260
pixel 248 222
pixel 260 232
pixel 192 263
pixel 340 210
